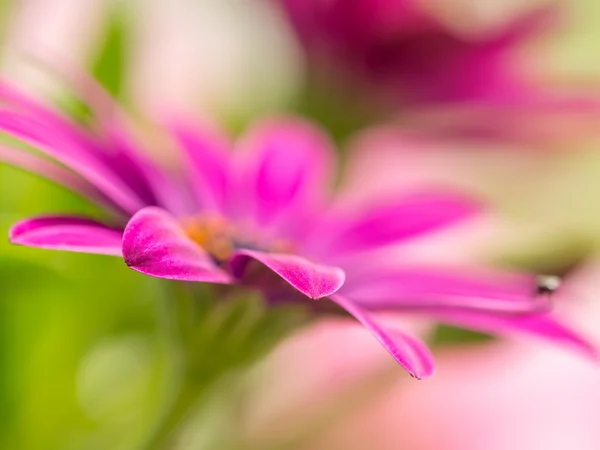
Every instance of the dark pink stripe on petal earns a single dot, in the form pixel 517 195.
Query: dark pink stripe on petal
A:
pixel 155 244
pixel 75 234
pixel 313 280
pixel 542 325
pixel 410 353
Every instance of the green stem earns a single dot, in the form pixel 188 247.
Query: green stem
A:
pixel 207 339
pixel 174 322
pixel 175 413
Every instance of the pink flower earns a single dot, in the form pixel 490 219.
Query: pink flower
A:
pixel 493 395
pixel 404 58
pixel 263 216
pixel 400 46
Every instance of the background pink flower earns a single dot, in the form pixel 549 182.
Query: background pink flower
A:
pixel 498 395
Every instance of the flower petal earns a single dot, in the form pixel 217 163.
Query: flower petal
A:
pixel 75 234
pixel 156 185
pixel 117 150
pixel 410 353
pixel 57 174
pixel 51 133
pixel 155 244
pixel 208 168
pixel 313 280
pixel 66 148
pixel 392 222
pixel 446 289
pixel 544 326
pixel 283 173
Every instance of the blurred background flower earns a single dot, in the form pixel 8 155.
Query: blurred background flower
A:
pixel 87 368
pixel 495 395
pixel 463 69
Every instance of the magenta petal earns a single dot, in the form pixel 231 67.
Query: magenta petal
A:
pixel 392 222
pixel 57 174
pixel 65 146
pixel 208 163
pixel 430 289
pixel 284 168
pixel 542 325
pixel 155 244
pixel 313 280
pixel 75 234
pixel 411 353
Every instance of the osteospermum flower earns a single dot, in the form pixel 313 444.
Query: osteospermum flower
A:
pixel 400 46
pixel 264 216
pixel 458 83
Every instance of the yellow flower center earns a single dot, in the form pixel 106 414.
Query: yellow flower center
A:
pixel 213 233
pixel 219 237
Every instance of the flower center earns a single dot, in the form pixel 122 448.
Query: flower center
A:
pixel 213 233
pixel 219 237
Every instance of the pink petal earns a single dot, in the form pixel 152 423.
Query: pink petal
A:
pixel 208 163
pixel 75 234
pixel 155 244
pixel 156 185
pixel 57 174
pixel 284 169
pixel 391 222
pixel 542 325
pixel 444 289
pixel 117 150
pixel 411 353
pixel 66 147
pixel 313 280
pixel 112 164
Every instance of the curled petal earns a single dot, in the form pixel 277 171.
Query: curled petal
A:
pixel 75 234
pixel 313 280
pixel 155 244
pixel 410 353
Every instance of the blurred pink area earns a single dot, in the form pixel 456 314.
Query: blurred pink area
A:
pixel 456 69
pixel 498 396
pixel 405 50
pixel 395 160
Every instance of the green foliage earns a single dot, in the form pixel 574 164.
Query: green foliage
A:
pixel 109 66
pixel 449 335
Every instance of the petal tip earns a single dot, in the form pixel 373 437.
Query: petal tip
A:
pixel 155 244
pixel 311 279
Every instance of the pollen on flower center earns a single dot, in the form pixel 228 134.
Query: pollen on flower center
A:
pixel 213 233
pixel 219 237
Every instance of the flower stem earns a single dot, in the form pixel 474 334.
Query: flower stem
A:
pixel 174 414
pixel 175 320
pixel 210 335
